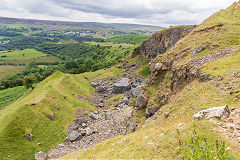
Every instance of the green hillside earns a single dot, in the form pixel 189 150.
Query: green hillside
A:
pixel 134 39
pixel 28 115
pixel 160 138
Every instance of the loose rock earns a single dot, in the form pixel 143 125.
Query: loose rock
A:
pixel 215 112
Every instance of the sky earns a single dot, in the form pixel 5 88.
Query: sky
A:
pixel 153 12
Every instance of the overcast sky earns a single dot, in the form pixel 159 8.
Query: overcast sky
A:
pixel 154 12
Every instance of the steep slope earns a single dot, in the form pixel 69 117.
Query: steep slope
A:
pixel 44 112
pixel 201 71
pixel 161 41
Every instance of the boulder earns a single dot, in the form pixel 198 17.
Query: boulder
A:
pixel 121 86
pixel 94 116
pixel 141 101
pixel 136 91
pixel 160 66
pixel 150 111
pixel 215 112
pixel 29 136
pixel 74 135
pixel 41 156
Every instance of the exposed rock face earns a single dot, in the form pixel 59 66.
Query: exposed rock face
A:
pixel 41 156
pixel 215 112
pixel 121 86
pixel 161 41
pixel 198 50
pixel 141 101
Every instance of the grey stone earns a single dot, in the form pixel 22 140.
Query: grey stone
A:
pixel 150 111
pixel 215 112
pixel 41 156
pixel 136 91
pixel 74 135
pixel 126 100
pixel 58 108
pixel 121 86
pixel 79 121
pixel 141 101
pixel 101 105
pixel 198 50
pixel 107 116
pixel 94 84
pixel 160 66
pixel 94 116
pixel 50 116
pixel 116 104
pixel 29 136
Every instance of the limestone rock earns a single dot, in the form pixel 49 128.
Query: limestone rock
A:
pixel 150 111
pixel 160 66
pixel 141 101
pixel 136 91
pixel 198 50
pixel 94 116
pixel 101 105
pixel 215 112
pixel 41 156
pixel 121 86
pixel 79 121
pixel 29 136
pixel 74 135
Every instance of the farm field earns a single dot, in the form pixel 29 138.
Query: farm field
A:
pixel 36 60
pixel 21 54
pixel 6 70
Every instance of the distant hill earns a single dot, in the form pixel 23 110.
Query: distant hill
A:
pixel 81 25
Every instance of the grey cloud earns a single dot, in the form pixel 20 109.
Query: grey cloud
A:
pixel 158 12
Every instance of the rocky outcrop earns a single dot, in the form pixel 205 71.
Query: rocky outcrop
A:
pixel 161 41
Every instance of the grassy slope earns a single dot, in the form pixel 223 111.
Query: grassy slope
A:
pixel 134 39
pixel 162 132
pixel 21 118
pixel 21 54
pixel 10 95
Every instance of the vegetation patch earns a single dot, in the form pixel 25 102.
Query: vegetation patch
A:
pixel 21 54
pixel 10 95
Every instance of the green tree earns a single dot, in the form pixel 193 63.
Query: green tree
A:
pixel 28 81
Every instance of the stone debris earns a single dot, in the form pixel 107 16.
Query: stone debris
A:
pixel 215 112
pixel 111 122
pixel 41 156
